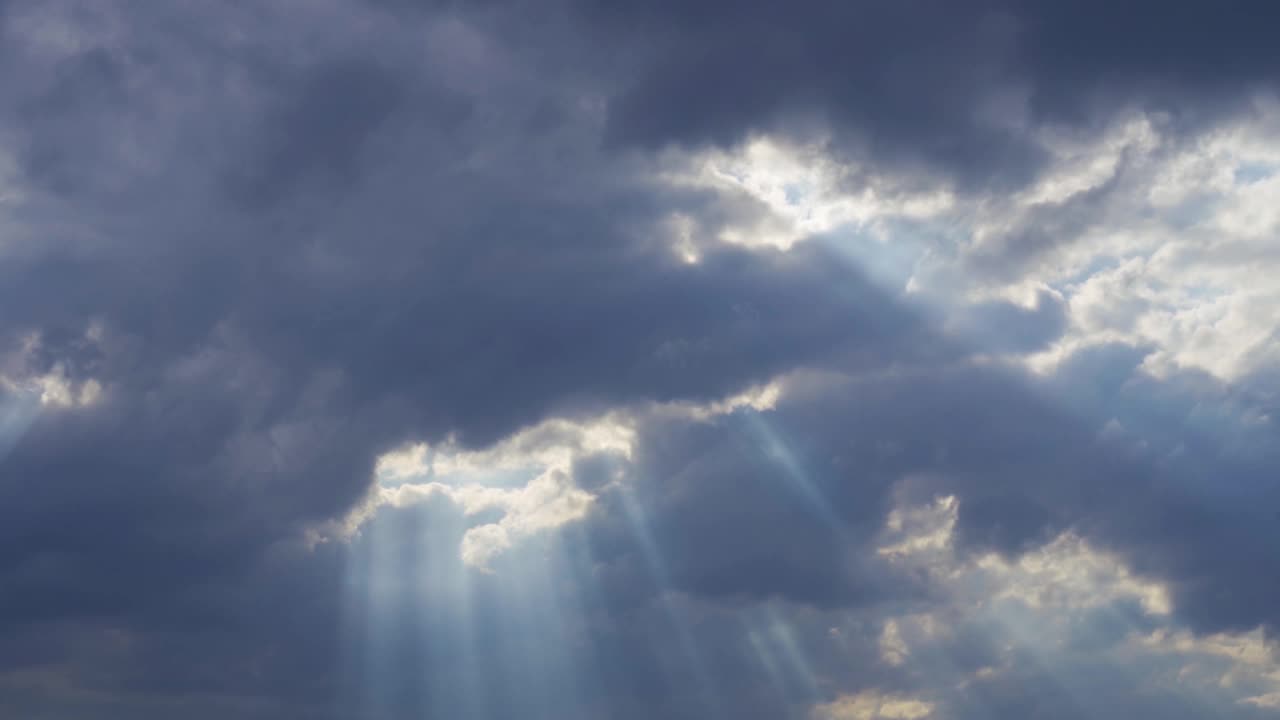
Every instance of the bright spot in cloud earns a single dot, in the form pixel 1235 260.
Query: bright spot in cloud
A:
pixel 800 190
pixel 53 387
pixel 545 503
pixel 550 444
pixel 1069 572
pixel 1149 238
pixel 873 705
pixel 893 650
pixel 1174 250
pixel 56 390
pixel 528 477
pixel 759 398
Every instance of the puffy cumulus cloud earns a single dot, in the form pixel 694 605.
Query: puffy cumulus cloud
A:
pixel 1158 257
pixel 545 501
pixel 363 359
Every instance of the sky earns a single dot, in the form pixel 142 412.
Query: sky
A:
pixel 686 359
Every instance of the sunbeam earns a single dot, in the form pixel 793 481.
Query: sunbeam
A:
pixel 17 411
pixel 772 442
pixel 709 694
pixel 780 652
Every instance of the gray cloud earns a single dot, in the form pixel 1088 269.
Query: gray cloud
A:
pixel 244 252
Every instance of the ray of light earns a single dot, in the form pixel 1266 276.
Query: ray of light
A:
pixel 784 638
pixel 778 649
pixel 365 598
pixel 447 629
pixel 765 656
pixel 776 448
pixel 532 595
pixel 18 410
pixel 643 536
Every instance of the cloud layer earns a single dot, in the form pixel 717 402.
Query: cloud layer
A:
pixel 684 359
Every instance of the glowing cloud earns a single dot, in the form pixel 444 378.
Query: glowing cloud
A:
pixel 872 705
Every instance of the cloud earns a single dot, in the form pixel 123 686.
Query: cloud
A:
pixel 685 360
pixel 528 479
pixel 871 706
pixel 1063 609
pixel 942 87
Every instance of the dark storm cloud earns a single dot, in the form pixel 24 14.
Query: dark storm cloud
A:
pixel 735 519
pixel 883 76
pixel 391 275
pixel 321 130
pixel 282 252
pixel 1207 463
pixel 950 88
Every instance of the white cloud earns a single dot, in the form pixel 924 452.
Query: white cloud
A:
pixel 527 477
pixel 1068 572
pixel 1180 254
pixel 1150 237
pixel 759 398
pixel 53 386
pixel 916 531
pixel 547 502
pixel 872 705
pixel 553 443
pixel 803 191
pixel 893 649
